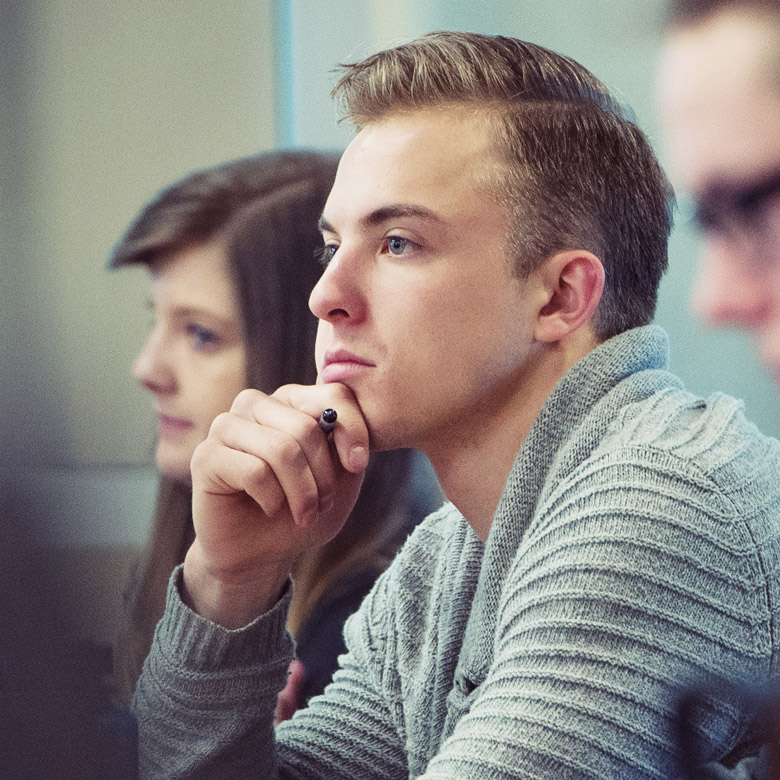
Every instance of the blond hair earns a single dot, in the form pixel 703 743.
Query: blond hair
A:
pixel 571 168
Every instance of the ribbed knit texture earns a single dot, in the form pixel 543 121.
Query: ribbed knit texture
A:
pixel 635 551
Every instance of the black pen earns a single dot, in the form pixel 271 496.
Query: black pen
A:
pixel 328 420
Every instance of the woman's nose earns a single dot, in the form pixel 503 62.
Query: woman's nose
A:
pixel 151 366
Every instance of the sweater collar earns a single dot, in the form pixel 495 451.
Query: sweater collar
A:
pixel 626 367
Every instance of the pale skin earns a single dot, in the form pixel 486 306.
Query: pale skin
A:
pixel 719 94
pixel 193 362
pixel 426 340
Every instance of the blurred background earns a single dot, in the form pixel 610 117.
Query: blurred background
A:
pixel 101 105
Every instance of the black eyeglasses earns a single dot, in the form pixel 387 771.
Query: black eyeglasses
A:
pixel 736 211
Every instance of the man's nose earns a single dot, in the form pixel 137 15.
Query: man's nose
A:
pixel 730 288
pixel 339 295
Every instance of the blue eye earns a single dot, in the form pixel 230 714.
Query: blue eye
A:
pixel 201 337
pixel 325 254
pixel 397 245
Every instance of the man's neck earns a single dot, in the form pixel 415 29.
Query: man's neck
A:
pixel 473 464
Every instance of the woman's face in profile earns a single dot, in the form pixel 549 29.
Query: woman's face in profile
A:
pixel 194 360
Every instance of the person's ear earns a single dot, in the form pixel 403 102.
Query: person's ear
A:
pixel 573 282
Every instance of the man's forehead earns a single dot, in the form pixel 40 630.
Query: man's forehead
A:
pixel 442 135
pixel 719 101
pixel 427 157
pixel 739 45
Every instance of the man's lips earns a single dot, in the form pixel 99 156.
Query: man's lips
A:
pixel 340 364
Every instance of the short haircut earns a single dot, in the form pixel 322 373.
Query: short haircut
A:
pixel 572 170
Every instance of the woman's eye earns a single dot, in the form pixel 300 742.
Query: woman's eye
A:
pixel 201 337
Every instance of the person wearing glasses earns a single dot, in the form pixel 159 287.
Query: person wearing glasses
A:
pixel 719 94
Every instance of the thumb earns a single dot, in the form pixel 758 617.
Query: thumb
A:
pixel 287 701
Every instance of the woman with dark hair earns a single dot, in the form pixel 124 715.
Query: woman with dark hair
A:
pixel 232 256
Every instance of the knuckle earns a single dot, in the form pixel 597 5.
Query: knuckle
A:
pixel 309 431
pixel 245 400
pixel 257 473
pixel 198 458
pixel 275 503
pixel 204 463
pixel 258 483
pixel 286 451
pixel 220 423
pixel 283 392
pixel 305 504
pixel 203 452
pixel 341 392
pixel 263 488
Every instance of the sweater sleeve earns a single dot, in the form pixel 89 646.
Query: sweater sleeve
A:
pixel 206 697
pixel 205 704
pixel 350 732
pixel 636 577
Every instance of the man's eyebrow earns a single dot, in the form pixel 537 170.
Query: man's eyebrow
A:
pixel 385 213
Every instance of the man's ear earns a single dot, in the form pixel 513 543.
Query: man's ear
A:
pixel 573 282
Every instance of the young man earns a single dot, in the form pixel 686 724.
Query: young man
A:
pixel 494 241
pixel 720 99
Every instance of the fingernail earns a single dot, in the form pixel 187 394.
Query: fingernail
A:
pixel 358 458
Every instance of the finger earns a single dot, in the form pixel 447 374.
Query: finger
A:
pixel 219 469
pixel 289 409
pixel 278 412
pixel 349 434
pixel 245 401
pixel 281 458
pixel 287 702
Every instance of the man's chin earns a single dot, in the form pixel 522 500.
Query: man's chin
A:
pixel 385 437
pixel 772 364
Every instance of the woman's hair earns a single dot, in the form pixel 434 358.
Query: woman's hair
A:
pixel 570 167
pixel 264 211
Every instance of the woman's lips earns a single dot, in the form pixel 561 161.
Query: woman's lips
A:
pixel 173 425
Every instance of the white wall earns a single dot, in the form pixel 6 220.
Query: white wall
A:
pixel 101 105
pixel 104 104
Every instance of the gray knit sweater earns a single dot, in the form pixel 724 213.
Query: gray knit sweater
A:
pixel 635 551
